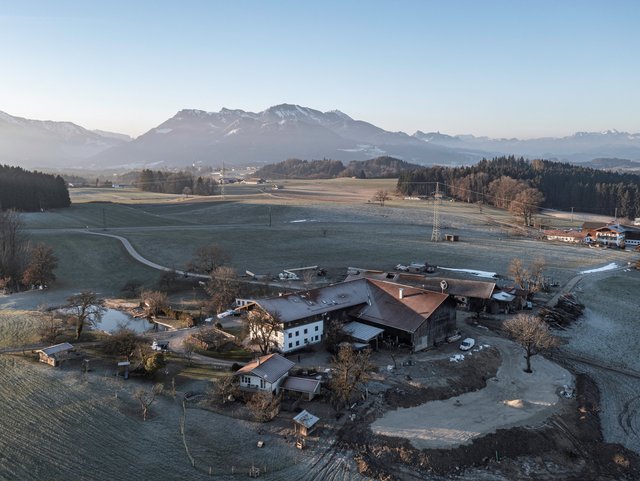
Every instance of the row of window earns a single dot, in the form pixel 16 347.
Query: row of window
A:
pixel 306 341
pixel 305 332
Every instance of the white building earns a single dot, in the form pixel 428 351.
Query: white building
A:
pixel 266 373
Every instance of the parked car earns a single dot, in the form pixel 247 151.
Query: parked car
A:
pixel 227 313
pixel 160 345
pixel 467 344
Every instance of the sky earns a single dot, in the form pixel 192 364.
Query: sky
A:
pixel 511 68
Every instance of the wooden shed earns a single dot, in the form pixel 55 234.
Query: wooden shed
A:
pixel 54 355
pixel 305 423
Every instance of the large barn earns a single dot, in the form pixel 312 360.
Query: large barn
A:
pixel 406 314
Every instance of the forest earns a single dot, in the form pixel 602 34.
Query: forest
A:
pixel 175 183
pixel 31 191
pixel 556 185
pixel 377 168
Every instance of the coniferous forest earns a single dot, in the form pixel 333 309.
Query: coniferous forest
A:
pixel 561 185
pixel 31 191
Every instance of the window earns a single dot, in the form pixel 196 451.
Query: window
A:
pixel 262 383
pixel 306 341
pixel 297 343
pixel 290 345
pixel 305 331
pixel 246 380
pixel 297 333
pixel 316 338
pixel 290 335
pixel 316 330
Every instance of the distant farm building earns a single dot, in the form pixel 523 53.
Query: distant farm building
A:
pixel 565 236
pixel 54 355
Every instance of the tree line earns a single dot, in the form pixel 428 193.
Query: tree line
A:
pixel 502 180
pixel 31 191
pixel 384 167
pixel 181 182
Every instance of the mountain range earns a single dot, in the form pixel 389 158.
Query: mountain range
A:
pixel 239 138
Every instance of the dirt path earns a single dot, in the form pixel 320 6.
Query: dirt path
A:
pixel 512 398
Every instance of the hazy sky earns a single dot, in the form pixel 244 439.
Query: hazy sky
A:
pixel 497 68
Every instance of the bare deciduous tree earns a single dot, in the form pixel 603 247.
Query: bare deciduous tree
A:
pixel 264 406
pixel 263 329
pixel 146 397
pixel 351 369
pixel 124 342
pixel 532 334
pixel 225 388
pixel 223 287
pixel 526 203
pixel 381 196
pixel 188 348
pixel 13 248
pixel 207 258
pixel 42 263
pixel 154 302
pixel 530 278
pixel 87 308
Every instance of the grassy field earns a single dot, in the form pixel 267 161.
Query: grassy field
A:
pixel 330 223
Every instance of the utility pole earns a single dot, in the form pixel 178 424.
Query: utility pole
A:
pixel 437 200
pixel 572 215
pixel 222 181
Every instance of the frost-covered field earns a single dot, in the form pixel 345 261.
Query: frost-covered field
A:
pixel 609 333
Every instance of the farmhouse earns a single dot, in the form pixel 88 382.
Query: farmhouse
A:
pixel 571 236
pixel 611 234
pixel 54 355
pixel 407 314
pixel 266 373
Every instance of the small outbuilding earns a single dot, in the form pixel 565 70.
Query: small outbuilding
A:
pixel 54 355
pixel 302 385
pixel 305 423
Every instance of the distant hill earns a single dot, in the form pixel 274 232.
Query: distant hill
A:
pixel 45 143
pixel 283 131
pixel 577 148
pixel 195 138
pixel 380 167
pixel 614 164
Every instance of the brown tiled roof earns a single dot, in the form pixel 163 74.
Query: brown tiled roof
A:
pixel 384 306
pixel 270 367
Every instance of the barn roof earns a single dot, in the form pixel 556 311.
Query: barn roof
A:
pixel 455 287
pixel 51 350
pixel 386 306
pixel 298 305
pixel 270 367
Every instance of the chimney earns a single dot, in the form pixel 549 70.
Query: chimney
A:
pixel 401 293
pixel 258 361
